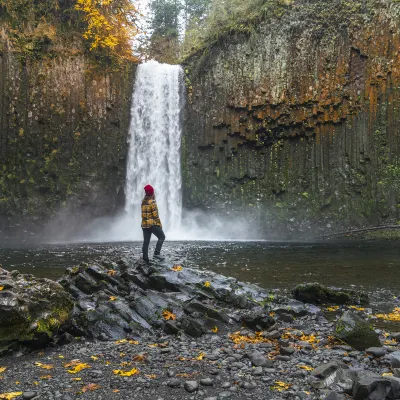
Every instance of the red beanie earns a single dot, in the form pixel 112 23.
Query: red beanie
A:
pixel 149 190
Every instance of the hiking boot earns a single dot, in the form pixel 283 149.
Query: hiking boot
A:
pixel 158 257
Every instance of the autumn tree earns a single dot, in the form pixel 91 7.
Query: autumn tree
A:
pixel 111 26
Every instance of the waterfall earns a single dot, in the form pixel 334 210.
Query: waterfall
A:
pixel 154 142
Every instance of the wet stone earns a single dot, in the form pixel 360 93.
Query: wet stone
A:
pixel 206 382
pixel 191 386
pixel 173 383
pixel 376 351
pixel 29 395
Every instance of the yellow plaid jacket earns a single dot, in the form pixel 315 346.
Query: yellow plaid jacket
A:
pixel 150 215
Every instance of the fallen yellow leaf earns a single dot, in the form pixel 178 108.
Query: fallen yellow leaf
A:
pixel 1 288
pixel 119 372
pixel 115 391
pixel 133 342
pixel 17 382
pixel 76 379
pixel 200 356
pixel 60 356
pixel 215 329
pixel 152 376
pixel 2 369
pixel 176 268
pixel 45 377
pixel 77 366
pixel 281 386
pixel 44 366
pixel 168 315
pixel 306 367
pixel 112 272
pixel 113 298
pixel 36 383
pixel 94 358
pixel 207 284
pixel 9 396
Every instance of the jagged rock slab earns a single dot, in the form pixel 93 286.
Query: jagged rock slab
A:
pixel 31 309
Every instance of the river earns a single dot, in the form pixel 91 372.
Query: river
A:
pixel 369 265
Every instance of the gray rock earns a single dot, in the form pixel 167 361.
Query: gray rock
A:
pixel 174 383
pixel 258 321
pixel 283 358
pixel 225 395
pixel 258 371
pixel 396 336
pixel 191 386
pixel 335 396
pixel 326 370
pixel 356 332
pixel 371 386
pixel 29 395
pixel 258 359
pixel 376 351
pixel 206 382
pixel 287 351
pixel 286 317
pixel 396 372
pixel 395 359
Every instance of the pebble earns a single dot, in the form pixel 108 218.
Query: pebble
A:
pixel 376 351
pixel 173 383
pixel 191 386
pixel 207 382
pixel 29 395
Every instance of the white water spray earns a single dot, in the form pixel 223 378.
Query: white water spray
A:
pixel 155 143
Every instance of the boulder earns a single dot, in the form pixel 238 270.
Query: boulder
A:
pixel 315 293
pixel 370 386
pixel 355 331
pixel 395 359
pixel 130 297
pixel 32 309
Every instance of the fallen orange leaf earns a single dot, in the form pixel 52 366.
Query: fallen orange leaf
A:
pixel 176 268
pixel 90 387
pixel 44 366
pixel 168 315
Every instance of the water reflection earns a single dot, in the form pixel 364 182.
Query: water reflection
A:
pixel 373 265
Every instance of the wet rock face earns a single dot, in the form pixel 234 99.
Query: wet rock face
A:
pixel 293 121
pixel 315 293
pixel 356 332
pixel 32 310
pixel 131 298
pixel 68 121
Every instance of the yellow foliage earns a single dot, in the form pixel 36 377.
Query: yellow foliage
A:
pixel 393 316
pixel 77 366
pixel 200 356
pixel 111 25
pixel 207 284
pixel 332 308
pixel 306 367
pixel 119 372
pixel 281 386
pixel 168 315
pixel 176 268
pixel 44 366
pixel 9 396
pixel 237 338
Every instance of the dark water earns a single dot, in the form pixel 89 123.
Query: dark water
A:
pixel 372 265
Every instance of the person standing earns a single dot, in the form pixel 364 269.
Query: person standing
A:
pixel 151 224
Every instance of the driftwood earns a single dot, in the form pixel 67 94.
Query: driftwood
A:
pixel 376 228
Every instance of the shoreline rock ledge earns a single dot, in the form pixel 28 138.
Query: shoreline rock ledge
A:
pixel 130 299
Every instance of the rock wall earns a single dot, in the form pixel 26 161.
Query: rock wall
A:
pixel 295 121
pixel 63 128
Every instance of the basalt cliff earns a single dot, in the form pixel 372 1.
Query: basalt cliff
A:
pixel 294 118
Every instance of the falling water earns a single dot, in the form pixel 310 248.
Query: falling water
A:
pixel 155 142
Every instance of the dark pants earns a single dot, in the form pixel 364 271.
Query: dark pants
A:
pixel 157 231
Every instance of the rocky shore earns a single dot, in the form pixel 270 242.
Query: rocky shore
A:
pixel 122 329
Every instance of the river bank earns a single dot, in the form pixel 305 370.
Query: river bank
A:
pixel 202 335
